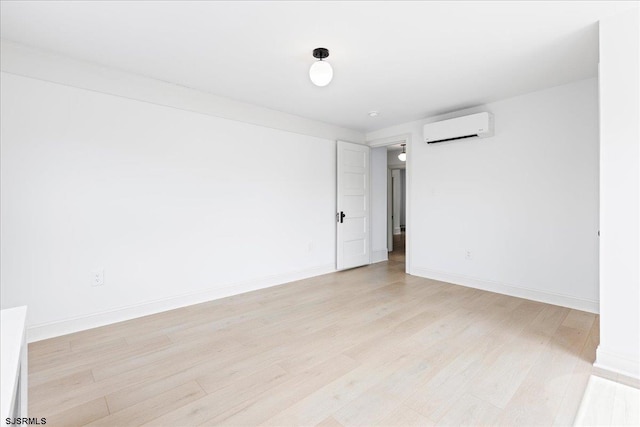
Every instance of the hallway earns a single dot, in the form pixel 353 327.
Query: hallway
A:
pixel 398 255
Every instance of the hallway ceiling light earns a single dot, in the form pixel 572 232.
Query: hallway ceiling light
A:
pixel 403 156
pixel 321 71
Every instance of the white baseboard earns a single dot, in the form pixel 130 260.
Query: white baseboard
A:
pixel 397 230
pixel 616 363
pixel 379 256
pixel 515 291
pixel 80 323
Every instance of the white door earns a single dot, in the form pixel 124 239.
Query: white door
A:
pixel 353 205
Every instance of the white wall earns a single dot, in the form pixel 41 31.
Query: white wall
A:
pixel 379 204
pixel 26 61
pixel 524 202
pixel 146 192
pixel 619 348
pixel 393 162
pixel 397 200
pixel 399 173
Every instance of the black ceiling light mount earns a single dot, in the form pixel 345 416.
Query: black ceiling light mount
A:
pixel 320 53
pixel 321 71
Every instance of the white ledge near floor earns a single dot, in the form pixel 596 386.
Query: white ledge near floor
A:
pixel 608 403
pixel 13 352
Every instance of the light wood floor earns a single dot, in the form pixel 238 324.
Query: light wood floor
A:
pixel 370 346
pixel 398 252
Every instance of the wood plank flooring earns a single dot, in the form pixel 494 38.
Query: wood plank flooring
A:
pixel 369 346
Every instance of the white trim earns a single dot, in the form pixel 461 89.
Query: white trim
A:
pixel 616 363
pixel 369 194
pixel 397 230
pixel 591 306
pixel 404 138
pixel 379 256
pixel 41 65
pixel 389 227
pixel 390 140
pixel 80 323
pixel 407 205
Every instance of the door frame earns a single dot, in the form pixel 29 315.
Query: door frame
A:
pixel 389 208
pixel 404 138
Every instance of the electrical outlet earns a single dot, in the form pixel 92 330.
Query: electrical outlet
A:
pixel 468 255
pixel 97 277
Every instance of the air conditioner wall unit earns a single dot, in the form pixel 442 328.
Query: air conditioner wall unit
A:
pixel 478 125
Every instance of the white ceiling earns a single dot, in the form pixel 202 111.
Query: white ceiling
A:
pixel 407 60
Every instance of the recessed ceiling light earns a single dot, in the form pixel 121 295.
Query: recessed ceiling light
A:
pixel 373 114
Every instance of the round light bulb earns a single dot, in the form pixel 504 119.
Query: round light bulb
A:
pixel 321 73
pixel 402 157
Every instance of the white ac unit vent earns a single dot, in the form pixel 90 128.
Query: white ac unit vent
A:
pixel 476 125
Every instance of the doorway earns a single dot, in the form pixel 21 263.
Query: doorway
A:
pixel 396 207
pixel 391 189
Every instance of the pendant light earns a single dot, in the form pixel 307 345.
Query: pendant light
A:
pixel 321 71
pixel 403 156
